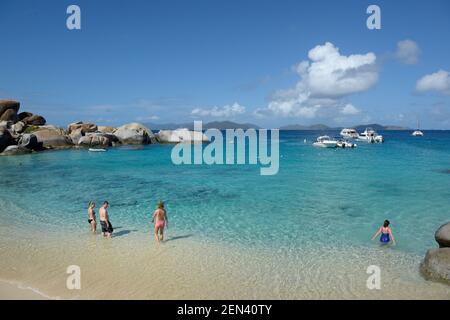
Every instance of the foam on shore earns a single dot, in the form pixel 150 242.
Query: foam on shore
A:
pixel 15 291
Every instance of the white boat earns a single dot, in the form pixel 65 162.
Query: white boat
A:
pixel 96 150
pixel 346 144
pixel 347 133
pixel 325 142
pixel 371 136
pixel 417 133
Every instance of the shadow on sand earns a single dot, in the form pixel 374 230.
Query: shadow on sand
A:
pixel 122 233
pixel 178 237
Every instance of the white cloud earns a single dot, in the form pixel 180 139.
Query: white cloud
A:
pixel 438 82
pixel 324 81
pixel 350 109
pixel 407 52
pixel 227 111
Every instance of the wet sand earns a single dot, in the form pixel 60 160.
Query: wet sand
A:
pixel 9 291
pixel 132 266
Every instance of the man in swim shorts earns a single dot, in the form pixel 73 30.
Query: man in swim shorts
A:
pixel 107 228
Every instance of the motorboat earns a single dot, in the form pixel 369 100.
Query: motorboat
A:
pixel 346 144
pixel 349 133
pixel 325 142
pixel 371 136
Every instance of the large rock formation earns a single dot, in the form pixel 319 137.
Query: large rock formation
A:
pixel 52 137
pixel 436 265
pixel 135 133
pixel 34 120
pixel 30 141
pixel 76 135
pixel 27 131
pixel 181 135
pixel 18 127
pixel 97 140
pixel 15 150
pixel 105 129
pixel 442 235
pixel 6 138
pixel 9 105
pixel 84 127
pixel 9 115
pixel 24 115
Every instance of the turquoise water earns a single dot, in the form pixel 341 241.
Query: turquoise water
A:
pixel 319 197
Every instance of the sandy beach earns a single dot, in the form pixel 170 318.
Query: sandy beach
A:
pixel 9 291
pixel 134 267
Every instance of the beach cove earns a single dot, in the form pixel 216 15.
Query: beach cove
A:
pixel 301 234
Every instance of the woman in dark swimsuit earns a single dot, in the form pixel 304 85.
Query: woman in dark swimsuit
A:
pixel 91 216
pixel 386 234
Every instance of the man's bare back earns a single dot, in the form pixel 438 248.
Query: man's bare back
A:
pixel 103 214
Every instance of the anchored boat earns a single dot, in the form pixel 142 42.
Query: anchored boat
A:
pixel 371 136
pixel 325 142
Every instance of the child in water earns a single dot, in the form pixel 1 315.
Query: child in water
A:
pixel 386 234
pixel 161 221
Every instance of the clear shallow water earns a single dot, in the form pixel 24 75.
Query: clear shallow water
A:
pixel 303 233
pixel 319 196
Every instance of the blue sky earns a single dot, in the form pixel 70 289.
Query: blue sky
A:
pixel 176 61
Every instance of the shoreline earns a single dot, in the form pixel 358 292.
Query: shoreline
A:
pixel 136 268
pixel 15 291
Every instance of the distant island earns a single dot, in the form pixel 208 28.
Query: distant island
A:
pixel 222 125
pixel 361 127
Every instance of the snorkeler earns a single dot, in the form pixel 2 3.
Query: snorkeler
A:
pixel 161 221
pixel 386 234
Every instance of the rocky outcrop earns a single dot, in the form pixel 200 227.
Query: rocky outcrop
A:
pixel 76 135
pixel 436 265
pixel 9 115
pixel 15 150
pixel 5 124
pixel 84 127
pixel 18 127
pixel 442 235
pixel 135 133
pixel 30 141
pixel 24 115
pixel 97 140
pixel 34 120
pixel 29 132
pixel 181 135
pixel 9 111
pixel 105 129
pixel 52 137
pixel 9 105
pixel 6 138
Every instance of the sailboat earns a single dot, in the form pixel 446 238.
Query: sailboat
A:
pixel 417 133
